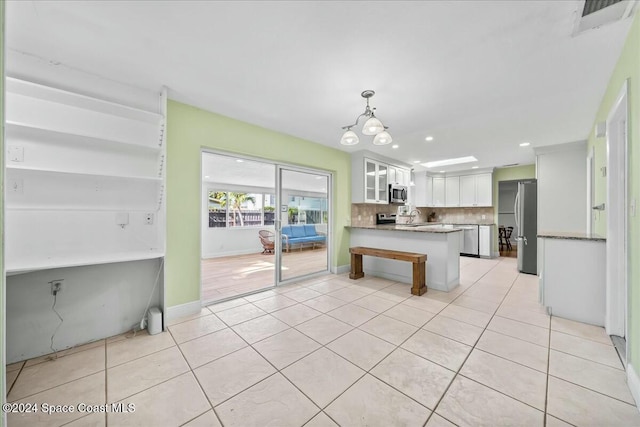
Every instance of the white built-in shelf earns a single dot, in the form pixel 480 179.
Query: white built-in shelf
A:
pixel 76 260
pixel 51 172
pixel 74 166
pixel 21 131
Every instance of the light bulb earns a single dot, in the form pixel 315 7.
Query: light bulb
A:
pixel 349 138
pixel 373 126
pixel 382 138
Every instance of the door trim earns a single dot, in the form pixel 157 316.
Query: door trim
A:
pixel 617 218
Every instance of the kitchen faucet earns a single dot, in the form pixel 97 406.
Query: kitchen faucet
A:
pixel 411 215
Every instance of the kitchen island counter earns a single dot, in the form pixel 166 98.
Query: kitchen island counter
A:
pixel 440 244
pixel 422 228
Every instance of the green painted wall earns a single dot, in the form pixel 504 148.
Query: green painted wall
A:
pixel 188 130
pixel 627 68
pixel 507 174
pixel 3 352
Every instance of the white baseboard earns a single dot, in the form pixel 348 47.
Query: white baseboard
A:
pixel 341 269
pixel 178 311
pixel 633 382
pixel 496 255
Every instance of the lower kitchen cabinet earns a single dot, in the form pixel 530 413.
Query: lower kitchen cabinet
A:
pixel 486 240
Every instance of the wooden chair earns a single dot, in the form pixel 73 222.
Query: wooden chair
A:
pixel 267 240
pixel 501 236
pixel 507 237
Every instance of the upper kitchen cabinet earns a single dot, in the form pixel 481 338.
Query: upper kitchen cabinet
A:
pixel 476 190
pixel 371 175
pixel 452 191
pixel 439 194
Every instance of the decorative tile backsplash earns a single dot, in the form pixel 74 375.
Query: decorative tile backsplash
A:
pixel 364 214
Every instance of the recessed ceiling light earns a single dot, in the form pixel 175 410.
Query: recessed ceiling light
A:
pixel 441 171
pixel 525 144
pixel 318 177
pixel 395 146
pixel 239 160
pixel 447 162
pixel 474 167
pixel 416 161
pixel 206 176
pixel 429 138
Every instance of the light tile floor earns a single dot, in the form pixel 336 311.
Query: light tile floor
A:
pixel 332 351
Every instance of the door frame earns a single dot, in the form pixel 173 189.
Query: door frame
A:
pixel 276 165
pixel 617 173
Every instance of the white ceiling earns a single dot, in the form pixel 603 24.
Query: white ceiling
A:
pixel 480 76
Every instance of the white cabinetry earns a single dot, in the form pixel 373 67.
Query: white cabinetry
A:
pixel 429 191
pixel 476 190
pixel 86 175
pixel 452 188
pixel 375 179
pixel 485 240
pixel 438 191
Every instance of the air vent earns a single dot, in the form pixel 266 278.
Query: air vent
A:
pixel 596 13
pixel 591 6
pixel 510 165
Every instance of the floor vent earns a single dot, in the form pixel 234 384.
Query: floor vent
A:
pixel 596 13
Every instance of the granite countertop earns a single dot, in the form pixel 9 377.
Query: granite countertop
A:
pixel 569 235
pixel 423 228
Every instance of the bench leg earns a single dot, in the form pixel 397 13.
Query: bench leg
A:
pixel 419 278
pixel 356 267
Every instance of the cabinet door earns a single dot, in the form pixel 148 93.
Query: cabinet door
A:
pixel 429 190
pixel 383 187
pixel 467 190
pixel 452 189
pixel 438 192
pixel 393 175
pixel 485 240
pixel 484 190
pixel 419 191
pixel 370 169
pixel 403 176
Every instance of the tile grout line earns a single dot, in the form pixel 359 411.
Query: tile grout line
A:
pixel 474 346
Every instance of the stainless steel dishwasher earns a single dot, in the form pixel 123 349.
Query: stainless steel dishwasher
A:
pixel 470 241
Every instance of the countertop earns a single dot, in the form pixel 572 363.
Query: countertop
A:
pixel 570 235
pixel 426 228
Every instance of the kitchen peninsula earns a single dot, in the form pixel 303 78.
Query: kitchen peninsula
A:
pixel 439 242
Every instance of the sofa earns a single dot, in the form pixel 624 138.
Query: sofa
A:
pixel 299 235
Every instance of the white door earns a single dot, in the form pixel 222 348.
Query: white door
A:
pixel 616 205
pixel 429 191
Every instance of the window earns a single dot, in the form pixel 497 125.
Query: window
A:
pixel 229 209
pixel 307 210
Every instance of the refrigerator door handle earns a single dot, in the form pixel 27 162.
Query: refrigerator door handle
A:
pixel 515 210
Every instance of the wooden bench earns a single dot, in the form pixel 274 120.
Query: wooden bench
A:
pixel 418 260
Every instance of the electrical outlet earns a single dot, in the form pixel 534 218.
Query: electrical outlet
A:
pixel 148 219
pixel 56 286
pixel 484 217
pixel 359 217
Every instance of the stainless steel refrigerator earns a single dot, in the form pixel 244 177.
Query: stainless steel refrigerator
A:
pixel 526 212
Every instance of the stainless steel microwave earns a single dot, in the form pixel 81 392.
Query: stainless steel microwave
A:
pixel 397 193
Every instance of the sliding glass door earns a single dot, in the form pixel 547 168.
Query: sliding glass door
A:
pixel 303 222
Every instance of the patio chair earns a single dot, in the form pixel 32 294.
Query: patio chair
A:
pixel 268 243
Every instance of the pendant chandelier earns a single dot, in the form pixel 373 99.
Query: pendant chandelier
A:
pixel 373 126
